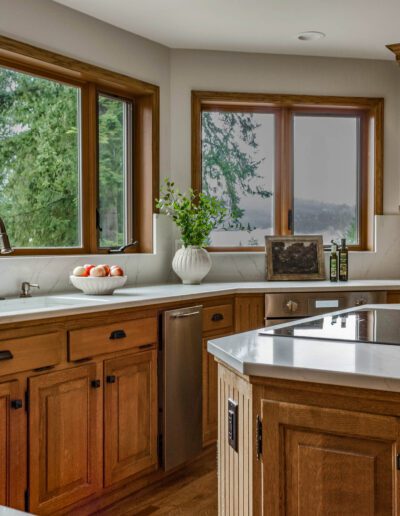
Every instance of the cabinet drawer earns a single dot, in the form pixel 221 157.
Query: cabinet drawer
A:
pixel 29 353
pixel 217 317
pixel 89 342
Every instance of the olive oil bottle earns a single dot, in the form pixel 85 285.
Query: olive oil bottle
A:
pixel 333 262
pixel 343 261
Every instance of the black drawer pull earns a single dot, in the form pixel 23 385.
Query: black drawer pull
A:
pixel 96 384
pixel 111 378
pixel 16 404
pixel 146 346
pixel 118 334
pixel 6 355
pixel 217 317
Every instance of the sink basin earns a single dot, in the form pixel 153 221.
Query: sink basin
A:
pixel 37 303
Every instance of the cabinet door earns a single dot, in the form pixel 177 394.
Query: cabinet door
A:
pixel 320 461
pixel 13 445
pixel 130 415
pixel 65 431
pixel 249 312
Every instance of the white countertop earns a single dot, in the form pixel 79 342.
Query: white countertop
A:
pixel 373 366
pixel 57 305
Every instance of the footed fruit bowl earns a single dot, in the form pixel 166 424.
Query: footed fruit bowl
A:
pixel 100 286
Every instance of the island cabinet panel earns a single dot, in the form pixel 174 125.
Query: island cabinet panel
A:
pixel 235 467
pixel 130 415
pixel 393 296
pixel 323 461
pixel 249 312
pixel 210 394
pixel 12 446
pixel 65 432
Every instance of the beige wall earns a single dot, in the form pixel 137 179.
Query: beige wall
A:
pixel 49 25
pixel 229 71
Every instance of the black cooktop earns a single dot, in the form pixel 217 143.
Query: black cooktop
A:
pixel 378 326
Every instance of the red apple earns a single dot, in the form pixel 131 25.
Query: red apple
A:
pixel 88 268
pixel 106 268
pixel 116 270
pixel 98 272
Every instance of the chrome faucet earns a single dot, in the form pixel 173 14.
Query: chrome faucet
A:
pixel 26 288
pixel 5 241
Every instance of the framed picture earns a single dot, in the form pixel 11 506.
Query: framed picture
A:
pixel 295 257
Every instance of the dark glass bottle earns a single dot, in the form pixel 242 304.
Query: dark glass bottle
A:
pixel 333 262
pixel 343 261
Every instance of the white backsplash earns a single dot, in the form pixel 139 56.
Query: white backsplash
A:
pixel 52 272
pixel 383 263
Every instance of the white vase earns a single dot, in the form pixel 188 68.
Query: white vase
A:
pixel 191 264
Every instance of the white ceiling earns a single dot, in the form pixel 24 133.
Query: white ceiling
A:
pixel 354 28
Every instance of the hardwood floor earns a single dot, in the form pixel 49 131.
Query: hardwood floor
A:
pixel 191 492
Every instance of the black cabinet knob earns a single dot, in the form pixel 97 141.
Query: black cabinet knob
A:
pixel 96 384
pixel 111 378
pixel 16 404
pixel 217 317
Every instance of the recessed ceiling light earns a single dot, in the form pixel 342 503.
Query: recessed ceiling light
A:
pixel 310 35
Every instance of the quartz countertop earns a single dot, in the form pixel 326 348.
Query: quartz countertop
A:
pixel 57 305
pixel 373 366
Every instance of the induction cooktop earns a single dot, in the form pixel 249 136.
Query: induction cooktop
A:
pixel 377 326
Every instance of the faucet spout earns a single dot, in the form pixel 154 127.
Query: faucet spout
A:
pixel 5 241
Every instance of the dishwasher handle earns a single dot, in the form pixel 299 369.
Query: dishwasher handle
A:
pixel 188 314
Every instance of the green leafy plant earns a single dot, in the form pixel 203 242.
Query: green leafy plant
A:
pixel 195 214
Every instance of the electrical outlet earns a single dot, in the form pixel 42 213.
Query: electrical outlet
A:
pixel 233 409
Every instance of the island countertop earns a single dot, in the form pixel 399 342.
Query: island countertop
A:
pixel 353 364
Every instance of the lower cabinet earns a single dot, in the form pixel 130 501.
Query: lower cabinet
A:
pixel 65 433
pixel 323 461
pixel 12 445
pixel 130 415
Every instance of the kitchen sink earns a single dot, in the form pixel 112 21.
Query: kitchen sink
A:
pixel 37 303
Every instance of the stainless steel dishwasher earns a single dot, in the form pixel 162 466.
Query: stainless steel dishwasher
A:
pixel 181 385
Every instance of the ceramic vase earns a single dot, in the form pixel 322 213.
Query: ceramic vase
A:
pixel 191 264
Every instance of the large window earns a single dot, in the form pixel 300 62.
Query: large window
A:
pixel 40 170
pixel 78 154
pixel 289 165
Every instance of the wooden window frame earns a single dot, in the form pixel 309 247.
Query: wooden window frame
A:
pixel 92 81
pixel 370 110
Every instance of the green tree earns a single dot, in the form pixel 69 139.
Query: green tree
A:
pixel 229 142
pixel 39 160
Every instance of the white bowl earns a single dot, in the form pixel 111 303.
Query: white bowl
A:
pixel 103 286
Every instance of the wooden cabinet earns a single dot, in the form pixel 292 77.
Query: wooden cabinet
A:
pixel 130 415
pixel 65 433
pixel 323 461
pixel 12 445
pixel 393 296
pixel 249 312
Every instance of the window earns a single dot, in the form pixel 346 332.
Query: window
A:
pixel 40 170
pixel 115 171
pixel 289 165
pixel 78 154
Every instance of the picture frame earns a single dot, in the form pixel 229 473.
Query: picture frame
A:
pixel 291 258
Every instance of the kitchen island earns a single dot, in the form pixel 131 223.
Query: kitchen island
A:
pixel 310 426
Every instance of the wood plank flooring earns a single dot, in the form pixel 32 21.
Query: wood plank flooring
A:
pixel 190 492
